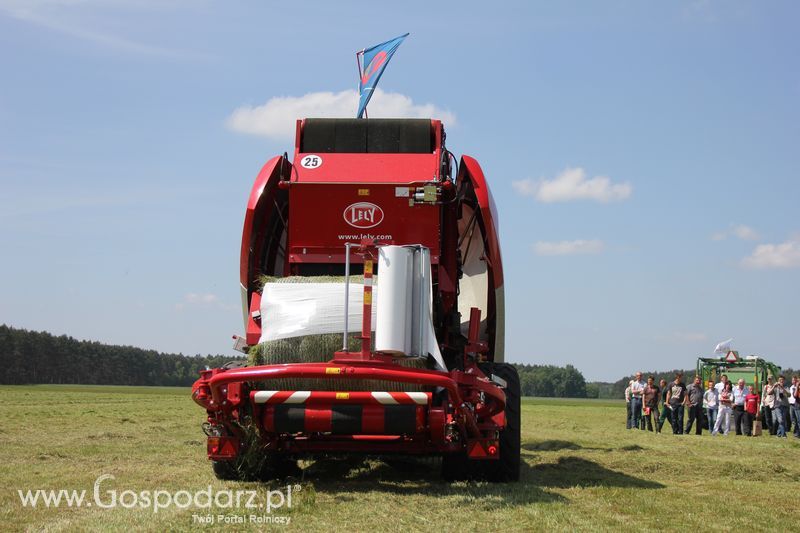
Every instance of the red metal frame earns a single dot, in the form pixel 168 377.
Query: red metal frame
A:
pixel 450 381
pixel 473 405
pixel 265 182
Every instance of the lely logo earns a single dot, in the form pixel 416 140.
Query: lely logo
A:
pixel 363 215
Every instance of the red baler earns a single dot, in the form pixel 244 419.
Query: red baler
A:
pixel 356 190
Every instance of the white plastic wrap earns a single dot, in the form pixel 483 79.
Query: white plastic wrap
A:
pixel 299 309
pixel 422 302
pixel 393 327
pixel 404 325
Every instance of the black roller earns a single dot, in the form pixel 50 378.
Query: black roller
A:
pixel 376 135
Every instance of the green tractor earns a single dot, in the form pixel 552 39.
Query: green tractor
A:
pixel 752 369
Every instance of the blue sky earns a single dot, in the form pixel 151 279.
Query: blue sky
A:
pixel 643 157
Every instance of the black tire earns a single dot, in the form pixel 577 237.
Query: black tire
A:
pixel 508 465
pixel 458 467
pixel 280 467
pixel 225 470
pixel 270 466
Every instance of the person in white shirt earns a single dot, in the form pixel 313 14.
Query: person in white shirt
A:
pixel 710 400
pixel 794 404
pixel 767 402
pixel 739 392
pixel 628 416
pixel 721 385
pixel 725 409
pixel 794 407
pixel 637 390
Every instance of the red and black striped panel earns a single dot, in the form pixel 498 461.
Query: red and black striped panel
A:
pixel 343 413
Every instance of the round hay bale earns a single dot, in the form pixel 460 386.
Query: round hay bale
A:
pixel 319 349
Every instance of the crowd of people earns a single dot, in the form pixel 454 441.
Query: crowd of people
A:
pixel 716 407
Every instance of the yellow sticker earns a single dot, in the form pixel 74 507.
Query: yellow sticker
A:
pixel 333 370
pixel 367 297
pixel 368 266
pixel 363 192
pixel 342 395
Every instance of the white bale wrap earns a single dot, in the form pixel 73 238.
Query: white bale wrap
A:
pixel 300 309
pixel 404 325
pixel 422 303
pixel 302 322
pixel 395 287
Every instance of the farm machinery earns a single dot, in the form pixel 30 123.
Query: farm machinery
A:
pixel 754 370
pixel 374 234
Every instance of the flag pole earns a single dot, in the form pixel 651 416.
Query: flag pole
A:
pixel 358 62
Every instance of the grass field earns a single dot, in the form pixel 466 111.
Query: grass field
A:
pixel 581 470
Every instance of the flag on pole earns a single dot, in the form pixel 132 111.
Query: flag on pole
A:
pixel 723 347
pixel 371 64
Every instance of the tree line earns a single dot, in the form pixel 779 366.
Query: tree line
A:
pixel 551 381
pixel 40 357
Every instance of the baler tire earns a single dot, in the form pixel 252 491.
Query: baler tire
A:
pixel 459 467
pixel 225 470
pixel 270 468
pixel 507 467
pixel 277 467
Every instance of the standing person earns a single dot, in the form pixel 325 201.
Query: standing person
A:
pixel 725 408
pixel 721 385
pixel 694 400
pixel 779 407
pixel 665 410
pixel 787 415
pixel 676 397
pixel 628 416
pixel 637 389
pixel 710 399
pixel 739 392
pixel 793 421
pixel 650 396
pixel 767 401
pixel 795 406
pixel 751 402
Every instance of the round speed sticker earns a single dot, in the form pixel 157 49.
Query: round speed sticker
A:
pixel 311 161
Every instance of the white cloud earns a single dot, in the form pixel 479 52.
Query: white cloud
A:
pixel 681 337
pixel 746 233
pixel 569 247
pixel 784 255
pixel 740 231
pixel 572 184
pixel 195 300
pixel 690 336
pixel 76 18
pixel 201 298
pixel 526 187
pixel 277 117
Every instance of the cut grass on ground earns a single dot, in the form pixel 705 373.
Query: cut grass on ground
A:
pixel 581 470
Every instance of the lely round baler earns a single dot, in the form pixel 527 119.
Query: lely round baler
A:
pixel 372 289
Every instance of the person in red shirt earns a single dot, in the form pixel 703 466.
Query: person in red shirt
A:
pixel 751 403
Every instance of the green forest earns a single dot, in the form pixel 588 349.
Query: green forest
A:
pixel 39 357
